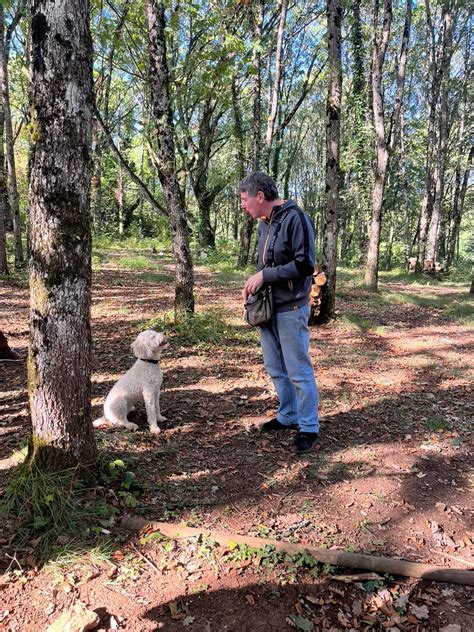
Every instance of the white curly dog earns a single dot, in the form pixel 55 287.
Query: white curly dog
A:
pixel 140 383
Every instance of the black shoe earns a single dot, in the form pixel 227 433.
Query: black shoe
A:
pixel 272 425
pixel 305 441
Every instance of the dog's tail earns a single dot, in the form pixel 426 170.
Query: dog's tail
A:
pixel 99 422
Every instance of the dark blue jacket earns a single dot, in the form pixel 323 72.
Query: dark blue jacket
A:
pixel 293 256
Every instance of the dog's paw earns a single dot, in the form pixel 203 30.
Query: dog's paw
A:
pixel 161 418
pixel 98 423
pixel 131 426
pixel 155 430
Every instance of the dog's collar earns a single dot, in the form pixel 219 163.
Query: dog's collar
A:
pixel 150 361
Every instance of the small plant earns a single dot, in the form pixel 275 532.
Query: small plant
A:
pixel 50 508
pixel 435 424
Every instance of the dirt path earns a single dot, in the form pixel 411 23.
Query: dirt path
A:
pixel 391 475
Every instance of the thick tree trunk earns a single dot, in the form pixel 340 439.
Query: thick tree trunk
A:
pixel 10 155
pixel 162 113
pixel 333 125
pixel 60 265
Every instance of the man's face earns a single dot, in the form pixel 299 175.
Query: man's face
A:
pixel 252 204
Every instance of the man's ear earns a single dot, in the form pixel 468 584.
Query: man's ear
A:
pixel 261 196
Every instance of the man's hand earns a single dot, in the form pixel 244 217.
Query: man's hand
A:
pixel 252 284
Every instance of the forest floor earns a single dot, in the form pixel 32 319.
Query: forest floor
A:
pixel 390 475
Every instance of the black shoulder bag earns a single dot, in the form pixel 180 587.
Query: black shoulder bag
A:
pixel 258 310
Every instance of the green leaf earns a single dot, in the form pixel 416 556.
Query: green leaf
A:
pixel 300 623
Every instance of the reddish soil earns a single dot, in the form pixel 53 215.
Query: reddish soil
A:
pixel 390 475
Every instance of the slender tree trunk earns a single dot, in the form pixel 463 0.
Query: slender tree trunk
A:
pixel 10 155
pixel 96 186
pixel 240 152
pixel 333 124
pixel 276 83
pixel 432 97
pixel 458 207
pixel 60 265
pixel 247 228
pixel 378 58
pixel 162 113
pixel 3 194
pixel 433 231
pixel 384 147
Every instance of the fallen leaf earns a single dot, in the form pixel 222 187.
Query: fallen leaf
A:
pixel 300 623
pixel 189 620
pixel 250 599
pixel 420 612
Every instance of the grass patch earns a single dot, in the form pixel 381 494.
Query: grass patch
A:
pixel 434 424
pixel 17 278
pixel 47 509
pixel 156 277
pixel 202 330
pixel 138 262
pixel 356 322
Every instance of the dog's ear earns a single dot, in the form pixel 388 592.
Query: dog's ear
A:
pixel 141 348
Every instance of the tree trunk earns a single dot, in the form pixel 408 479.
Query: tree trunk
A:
pixel 247 228
pixel 458 207
pixel 166 160
pixel 378 58
pixel 276 83
pixel 333 124
pixel 384 147
pixel 10 155
pixel 433 91
pixel 60 266
pixel 3 193
pixel 433 231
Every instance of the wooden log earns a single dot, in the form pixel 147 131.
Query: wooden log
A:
pixel 320 279
pixel 327 556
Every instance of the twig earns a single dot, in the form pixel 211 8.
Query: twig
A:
pixel 457 559
pixel 327 556
pixel 145 559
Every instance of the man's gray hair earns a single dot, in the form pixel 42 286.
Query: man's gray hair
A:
pixel 258 181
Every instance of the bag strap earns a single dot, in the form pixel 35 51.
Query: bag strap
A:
pixel 269 254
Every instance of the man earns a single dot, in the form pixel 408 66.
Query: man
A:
pixel 285 340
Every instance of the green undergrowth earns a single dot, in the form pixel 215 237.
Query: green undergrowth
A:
pixel 267 557
pixel 203 330
pixel 61 515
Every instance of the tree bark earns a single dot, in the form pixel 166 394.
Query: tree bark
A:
pixel 247 228
pixel 10 155
pixel 333 125
pixel 378 58
pixel 3 189
pixel 384 146
pixel 433 92
pixel 458 207
pixel 433 230
pixel 276 83
pixel 60 265
pixel 166 160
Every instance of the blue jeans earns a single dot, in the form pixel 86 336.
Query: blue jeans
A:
pixel 285 348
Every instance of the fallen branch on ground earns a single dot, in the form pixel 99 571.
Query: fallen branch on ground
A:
pixel 326 556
